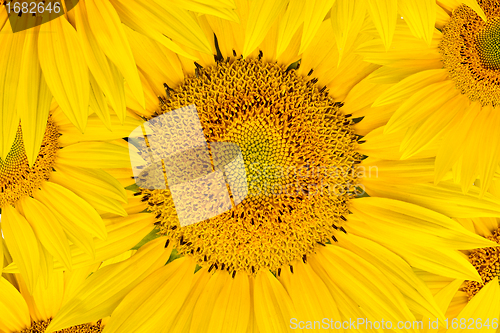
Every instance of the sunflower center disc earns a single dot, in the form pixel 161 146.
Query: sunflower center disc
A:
pixel 487 263
pixel 41 326
pixel 17 178
pixel 488 44
pixel 470 51
pixel 299 155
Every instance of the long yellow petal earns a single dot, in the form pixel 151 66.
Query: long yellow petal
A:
pixel 384 14
pixel 107 28
pixel 420 15
pixel 410 85
pixel 314 13
pixel 15 314
pixel 11 50
pixel 272 305
pixel 107 287
pixel 417 296
pixel 365 284
pixel 289 24
pixel 22 244
pixel 347 18
pixel 417 224
pixel 64 68
pixel 110 83
pixel 71 206
pixel 152 24
pixel 94 155
pixel 154 303
pixel 206 302
pixel 231 310
pixel 262 16
pixel 310 296
pixel 33 97
pixel 421 104
pixel 48 230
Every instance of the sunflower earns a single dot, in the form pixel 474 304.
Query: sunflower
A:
pixel 31 312
pixel 61 211
pixel 301 239
pixel 444 94
pixel 79 55
pixel 473 304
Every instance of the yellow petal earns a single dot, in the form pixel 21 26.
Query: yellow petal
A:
pixel 421 104
pixel 410 85
pixel 72 207
pixel 110 82
pixel 92 155
pixel 272 306
pixel 398 272
pixel 420 15
pixel 475 6
pixel 64 68
pixel 154 303
pixel 365 284
pixel 262 16
pixel 206 302
pixel 97 187
pixel 314 13
pixel 384 14
pixel 107 28
pixel 107 287
pixel 289 24
pixel 415 223
pixel 22 244
pixel 483 307
pixel 11 50
pixel 150 23
pixel 231 310
pixel 347 18
pixel 98 103
pixel 15 314
pixel 33 98
pixel 48 230
pixel 208 7
pixel 182 320
pixel 309 294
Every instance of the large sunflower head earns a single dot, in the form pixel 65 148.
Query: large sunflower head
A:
pixel 471 51
pixel 290 192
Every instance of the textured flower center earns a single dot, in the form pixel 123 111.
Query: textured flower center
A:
pixel 488 44
pixel 17 178
pixel 487 263
pixel 299 155
pixel 470 51
pixel 41 326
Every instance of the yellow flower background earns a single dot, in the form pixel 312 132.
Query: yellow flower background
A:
pixel 367 132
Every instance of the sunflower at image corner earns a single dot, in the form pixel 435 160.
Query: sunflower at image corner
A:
pixel 445 95
pixel 473 302
pixel 89 38
pixel 61 212
pixel 271 257
pixel 31 312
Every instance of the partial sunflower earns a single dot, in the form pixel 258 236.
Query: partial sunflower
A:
pixel 472 304
pixel 284 247
pixel 31 312
pixel 62 211
pixel 83 57
pixel 446 94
